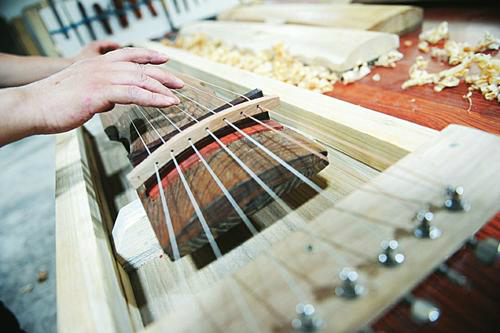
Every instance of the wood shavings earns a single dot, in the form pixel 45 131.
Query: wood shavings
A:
pixel 479 70
pixel 376 77
pixel 433 36
pixel 276 63
pixel 389 59
pixel 356 73
pixel 423 46
pixel 408 43
pixel 469 99
pixel 439 54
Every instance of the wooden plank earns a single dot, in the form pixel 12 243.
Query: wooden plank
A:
pixel 88 287
pixel 368 136
pixel 177 144
pixel 336 49
pixel 394 19
pixel 459 156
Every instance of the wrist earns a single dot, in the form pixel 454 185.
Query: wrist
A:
pixel 32 110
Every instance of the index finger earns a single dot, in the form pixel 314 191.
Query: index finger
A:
pixel 137 55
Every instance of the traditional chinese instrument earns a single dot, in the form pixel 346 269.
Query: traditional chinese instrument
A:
pixel 237 188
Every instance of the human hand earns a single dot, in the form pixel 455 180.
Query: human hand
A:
pixel 96 48
pixel 71 97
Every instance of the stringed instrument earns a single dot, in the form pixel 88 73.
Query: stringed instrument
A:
pixel 262 207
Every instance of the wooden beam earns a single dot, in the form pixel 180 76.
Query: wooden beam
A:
pixel 89 290
pixel 371 137
pixel 196 132
pixel 359 222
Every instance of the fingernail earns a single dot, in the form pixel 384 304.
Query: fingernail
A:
pixel 171 100
pixel 161 57
pixel 178 82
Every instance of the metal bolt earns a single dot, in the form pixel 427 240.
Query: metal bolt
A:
pixel 424 228
pixel 350 287
pixel 390 256
pixel 487 250
pixel 455 201
pixel 307 320
pixel 423 311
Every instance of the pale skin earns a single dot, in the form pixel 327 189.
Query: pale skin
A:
pixel 49 95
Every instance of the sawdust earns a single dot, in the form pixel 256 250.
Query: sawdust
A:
pixel 480 70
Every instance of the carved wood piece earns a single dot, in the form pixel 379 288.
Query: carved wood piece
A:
pixel 217 210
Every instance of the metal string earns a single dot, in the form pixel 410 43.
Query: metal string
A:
pixel 154 129
pixel 209 83
pixel 215 248
pixel 166 213
pixel 292 284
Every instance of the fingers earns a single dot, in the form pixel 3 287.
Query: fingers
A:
pixel 124 94
pixel 155 72
pixel 141 80
pixel 137 55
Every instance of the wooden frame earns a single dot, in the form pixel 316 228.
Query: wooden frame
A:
pixel 95 294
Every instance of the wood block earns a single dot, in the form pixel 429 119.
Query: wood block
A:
pixel 335 48
pixel 394 19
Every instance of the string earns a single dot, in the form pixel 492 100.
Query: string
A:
pixel 302 226
pixel 209 83
pixel 168 221
pixel 289 279
pixel 154 129
pixel 215 248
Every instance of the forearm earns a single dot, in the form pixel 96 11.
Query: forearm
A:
pixel 17 118
pixel 21 70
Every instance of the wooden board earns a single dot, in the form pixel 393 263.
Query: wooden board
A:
pixel 393 19
pixel 356 220
pixel 89 288
pixel 334 48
